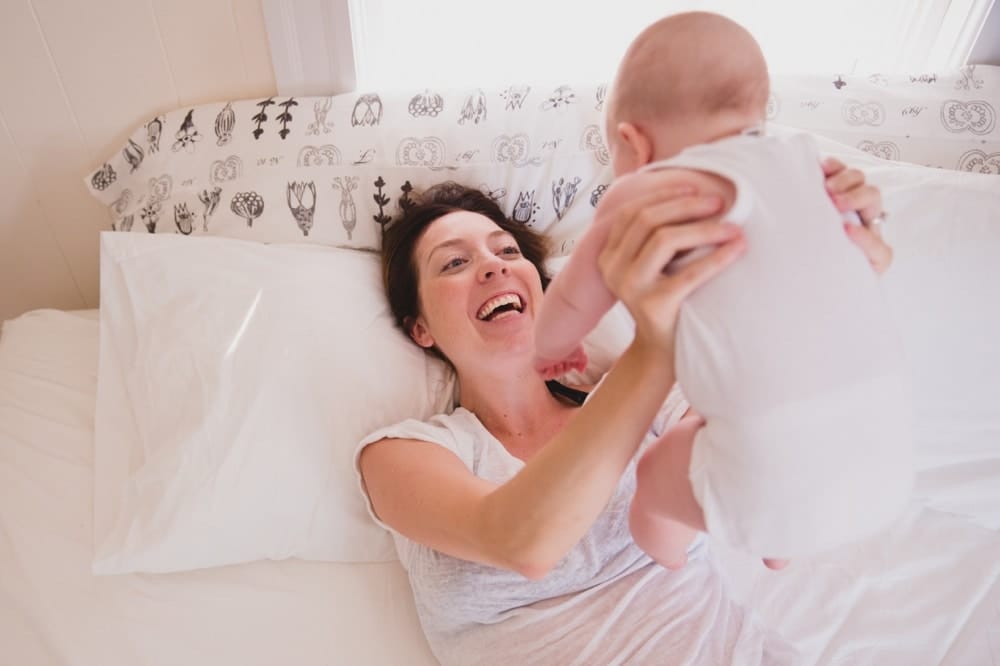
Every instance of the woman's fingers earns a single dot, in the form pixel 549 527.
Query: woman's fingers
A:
pixel 832 166
pixel 844 181
pixel 879 252
pixel 632 195
pixel 866 199
pixel 639 230
pixel 703 269
pixel 667 241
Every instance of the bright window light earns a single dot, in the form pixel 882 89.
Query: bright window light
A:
pixel 462 42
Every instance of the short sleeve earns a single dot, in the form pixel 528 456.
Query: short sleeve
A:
pixel 437 430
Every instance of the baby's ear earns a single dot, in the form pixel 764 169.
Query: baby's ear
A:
pixel 637 146
pixel 418 331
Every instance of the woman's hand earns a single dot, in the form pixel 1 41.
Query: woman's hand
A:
pixel 849 191
pixel 656 215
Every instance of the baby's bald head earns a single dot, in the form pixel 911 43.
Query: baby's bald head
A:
pixel 685 67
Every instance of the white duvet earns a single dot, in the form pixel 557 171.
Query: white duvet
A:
pixel 925 592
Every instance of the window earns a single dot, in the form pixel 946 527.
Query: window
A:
pixel 453 42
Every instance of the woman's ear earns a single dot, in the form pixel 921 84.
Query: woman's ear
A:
pixel 637 146
pixel 418 331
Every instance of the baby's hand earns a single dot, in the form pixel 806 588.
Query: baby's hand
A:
pixel 577 360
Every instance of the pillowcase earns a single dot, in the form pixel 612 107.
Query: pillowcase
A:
pixel 942 119
pixel 334 170
pixel 235 381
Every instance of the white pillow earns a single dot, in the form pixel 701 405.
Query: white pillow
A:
pixel 235 381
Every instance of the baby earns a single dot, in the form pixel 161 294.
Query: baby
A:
pixel 801 437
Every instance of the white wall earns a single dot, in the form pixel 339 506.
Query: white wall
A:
pixel 75 79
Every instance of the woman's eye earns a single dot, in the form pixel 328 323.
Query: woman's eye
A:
pixel 453 263
pixel 511 249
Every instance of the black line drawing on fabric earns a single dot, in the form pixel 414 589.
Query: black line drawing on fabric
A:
pixel 187 135
pixel 595 196
pixel 160 188
pixel 567 246
pixel 248 205
pixel 968 80
pixel 103 178
pixel 210 200
pixel 367 111
pixel 366 156
pixel 224 124
pixel 878 80
pixel 228 169
pixel 183 218
pixel 563 193
pixel 513 149
pixel 154 128
pixel 474 108
pixel 304 205
pixel 133 154
pixel 150 214
pixel 976 116
pixel 320 109
pixel 912 111
pixel 560 97
pixel 856 112
pixel 525 207
pixel 839 83
pixel 514 97
pixel 425 152
pixel 285 116
pixel 348 211
pixel 924 78
pixel 773 107
pixel 326 155
pixel 979 162
pixel 124 224
pixel 887 150
pixel 810 104
pixel 426 103
pixel 592 140
pixel 261 116
pixel 405 202
pixel 551 145
pixel 381 200
pixel 120 205
pixel 602 95
pixel 497 194
pixel 466 156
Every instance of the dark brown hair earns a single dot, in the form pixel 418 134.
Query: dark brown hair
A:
pixel 399 241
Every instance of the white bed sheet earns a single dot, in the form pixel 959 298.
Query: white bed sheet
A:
pixel 925 592
pixel 53 611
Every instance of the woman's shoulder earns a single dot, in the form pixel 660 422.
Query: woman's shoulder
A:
pixel 452 430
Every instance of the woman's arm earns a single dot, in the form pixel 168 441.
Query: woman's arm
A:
pixel 529 523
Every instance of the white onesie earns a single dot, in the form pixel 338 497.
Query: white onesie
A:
pixel 791 356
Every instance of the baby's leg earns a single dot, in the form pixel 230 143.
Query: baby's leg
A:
pixel 665 517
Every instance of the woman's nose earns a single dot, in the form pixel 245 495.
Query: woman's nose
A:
pixel 492 267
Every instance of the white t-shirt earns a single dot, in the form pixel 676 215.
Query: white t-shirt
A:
pixel 605 603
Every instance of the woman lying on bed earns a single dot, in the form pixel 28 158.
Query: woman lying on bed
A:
pixel 510 514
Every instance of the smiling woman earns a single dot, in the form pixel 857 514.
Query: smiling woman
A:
pixel 412 256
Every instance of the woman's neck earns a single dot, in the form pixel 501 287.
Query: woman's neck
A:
pixel 515 406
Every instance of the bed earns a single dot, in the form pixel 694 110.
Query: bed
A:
pixel 925 592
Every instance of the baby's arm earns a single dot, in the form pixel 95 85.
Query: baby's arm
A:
pixel 573 304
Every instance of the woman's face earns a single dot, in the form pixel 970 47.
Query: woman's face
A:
pixel 478 295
